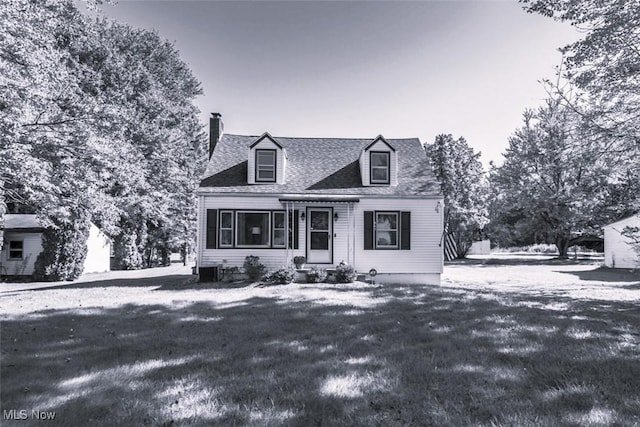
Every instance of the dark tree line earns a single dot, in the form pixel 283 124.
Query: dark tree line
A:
pixel 574 165
pixel 99 124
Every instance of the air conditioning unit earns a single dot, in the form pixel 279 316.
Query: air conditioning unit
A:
pixel 209 274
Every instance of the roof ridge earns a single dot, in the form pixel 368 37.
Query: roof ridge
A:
pixel 323 137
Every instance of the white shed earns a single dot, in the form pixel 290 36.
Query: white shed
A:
pixel 98 258
pixel 619 252
pixel 480 247
pixel 23 244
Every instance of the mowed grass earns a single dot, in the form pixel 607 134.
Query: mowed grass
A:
pixel 170 352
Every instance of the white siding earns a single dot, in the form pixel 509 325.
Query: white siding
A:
pixel 424 257
pixel 32 246
pixel 98 252
pixel 393 166
pixel 266 144
pixel 618 253
pixel 272 258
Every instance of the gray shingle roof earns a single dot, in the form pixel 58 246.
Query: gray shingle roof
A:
pixel 319 166
pixel 21 221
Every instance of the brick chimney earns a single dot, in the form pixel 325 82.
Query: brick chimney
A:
pixel 216 129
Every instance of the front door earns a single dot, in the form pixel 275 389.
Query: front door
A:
pixel 319 235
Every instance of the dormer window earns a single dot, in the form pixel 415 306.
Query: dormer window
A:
pixel 265 165
pixel 379 165
pixel 267 161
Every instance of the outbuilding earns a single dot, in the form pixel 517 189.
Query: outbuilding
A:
pixel 621 251
pixel 23 244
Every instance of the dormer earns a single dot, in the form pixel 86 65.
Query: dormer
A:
pixel 267 161
pixel 379 164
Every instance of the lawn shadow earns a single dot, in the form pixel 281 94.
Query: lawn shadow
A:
pixel 498 262
pixel 169 281
pixel 195 285
pixel 604 274
pixel 395 355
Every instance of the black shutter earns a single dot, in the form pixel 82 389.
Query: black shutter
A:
pixel 212 228
pixel 368 230
pixel 294 228
pixel 405 230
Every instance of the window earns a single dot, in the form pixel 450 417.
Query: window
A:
pixel 229 228
pixel 278 229
pixel 226 229
pixel 386 230
pixel 379 165
pixel 265 165
pixel 15 249
pixel 252 229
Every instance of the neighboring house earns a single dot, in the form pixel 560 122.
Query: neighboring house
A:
pixel 23 244
pixel 480 247
pixel 372 203
pixel 619 250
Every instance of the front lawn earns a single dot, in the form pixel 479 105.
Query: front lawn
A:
pixel 166 352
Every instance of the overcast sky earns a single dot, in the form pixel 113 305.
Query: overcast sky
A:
pixel 359 69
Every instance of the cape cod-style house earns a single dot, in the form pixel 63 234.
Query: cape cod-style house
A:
pixel 373 203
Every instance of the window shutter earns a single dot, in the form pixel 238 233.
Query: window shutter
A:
pixel 294 221
pixel 368 230
pixel 405 230
pixel 212 228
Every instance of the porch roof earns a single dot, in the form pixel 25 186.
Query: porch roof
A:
pixel 315 198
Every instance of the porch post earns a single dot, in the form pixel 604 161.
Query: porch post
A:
pixel 353 234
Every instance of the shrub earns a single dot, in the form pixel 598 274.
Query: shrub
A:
pixel 126 253
pixel 542 248
pixel 345 273
pixel 316 275
pixel 64 249
pixel 253 268
pixel 282 276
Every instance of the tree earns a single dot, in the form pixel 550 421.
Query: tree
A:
pixel 98 122
pixel 556 180
pixel 605 64
pixel 160 123
pixel 460 173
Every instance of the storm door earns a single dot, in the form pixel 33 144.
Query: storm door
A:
pixel 319 235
